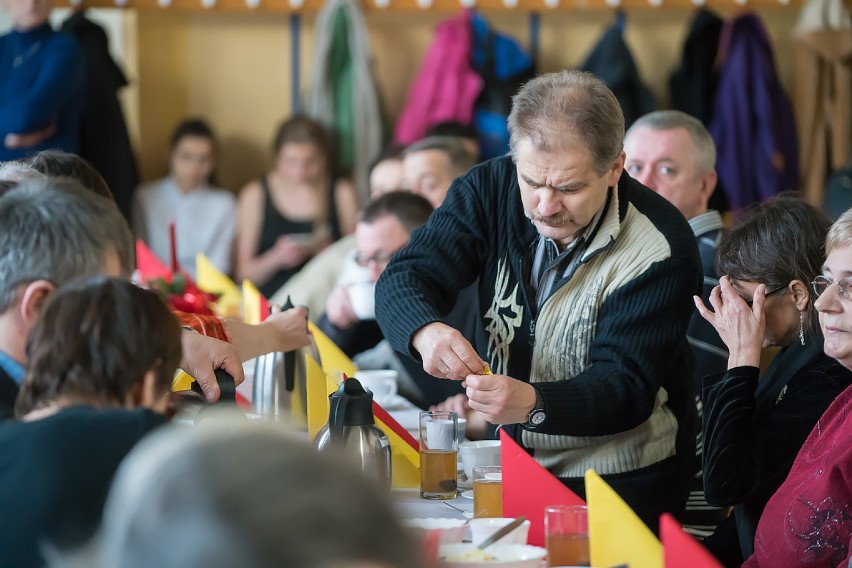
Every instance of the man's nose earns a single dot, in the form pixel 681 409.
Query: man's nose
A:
pixel 548 203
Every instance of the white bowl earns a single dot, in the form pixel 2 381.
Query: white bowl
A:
pixel 505 556
pixel 481 529
pixel 475 454
pixel 452 530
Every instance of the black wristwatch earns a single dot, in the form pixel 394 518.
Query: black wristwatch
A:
pixel 538 414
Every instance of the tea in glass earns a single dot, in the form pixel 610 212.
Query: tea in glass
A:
pixel 566 534
pixel 487 492
pixel 438 455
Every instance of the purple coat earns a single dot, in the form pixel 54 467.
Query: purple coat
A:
pixel 752 124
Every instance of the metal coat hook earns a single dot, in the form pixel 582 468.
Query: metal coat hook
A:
pixel 510 3
pixel 424 4
pixel 655 3
pixel 164 3
pixel 551 3
pixel 613 3
pixel 699 3
pixel 252 4
pixel 382 4
pixel 296 4
pixel 208 3
pixel 121 2
pixel 467 3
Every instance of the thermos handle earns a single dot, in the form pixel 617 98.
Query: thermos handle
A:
pixel 227 387
pixel 336 418
pixel 289 358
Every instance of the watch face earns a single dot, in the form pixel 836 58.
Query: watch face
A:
pixel 537 417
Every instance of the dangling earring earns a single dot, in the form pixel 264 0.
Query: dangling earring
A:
pixel 802 327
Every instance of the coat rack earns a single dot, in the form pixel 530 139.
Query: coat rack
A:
pixel 534 6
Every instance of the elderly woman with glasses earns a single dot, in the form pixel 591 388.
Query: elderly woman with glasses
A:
pixel 753 425
pixel 808 521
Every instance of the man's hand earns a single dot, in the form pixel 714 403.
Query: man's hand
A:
pixel 446 353
pixel 203 355
pixel 29 139
pixel 338 308
pixel 502 399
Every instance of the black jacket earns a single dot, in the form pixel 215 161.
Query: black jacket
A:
pixel 8 394
pixel 612 61
pixel 55 474
pixel 104 139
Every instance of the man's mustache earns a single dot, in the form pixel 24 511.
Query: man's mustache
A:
pixel 559 219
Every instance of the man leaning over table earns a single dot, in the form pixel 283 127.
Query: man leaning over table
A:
pixel 52 231
pixel 585 280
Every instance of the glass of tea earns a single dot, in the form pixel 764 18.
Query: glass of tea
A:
pixel 566 535
pixel 438 454
pixel 487 491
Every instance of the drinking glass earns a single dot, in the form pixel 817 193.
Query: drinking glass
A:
pixel 487 491
pixel 438 454
pixel 566 534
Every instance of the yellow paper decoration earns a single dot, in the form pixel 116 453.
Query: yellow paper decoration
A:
pixel 320 386
pixel 212 280
pixel 182 381
pixel 251 303
pixel 616 535
pixel 405 461
pixel 334 361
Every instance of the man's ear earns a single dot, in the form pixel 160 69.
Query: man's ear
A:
pixel 33 299
pixel 615 170
pixel 708 185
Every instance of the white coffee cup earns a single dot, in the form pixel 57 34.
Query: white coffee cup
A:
pixel 475 454
pixel 480 529
pixel 362 296
pixel 382 383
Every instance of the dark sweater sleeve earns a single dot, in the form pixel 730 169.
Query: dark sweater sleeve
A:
pixel 59 78
pixel 446 255
pixel 640 333
pixel 742 460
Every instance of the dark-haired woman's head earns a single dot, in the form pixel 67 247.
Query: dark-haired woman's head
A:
pixel 103 342
pixel 192 154
pixel 779 244
pixel 302 151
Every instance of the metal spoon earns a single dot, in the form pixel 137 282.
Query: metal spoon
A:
pixel 466 514
pixel 501 533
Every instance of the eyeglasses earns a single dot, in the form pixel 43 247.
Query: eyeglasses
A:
pixel 844 286
pixel 767 294
pixel 381 259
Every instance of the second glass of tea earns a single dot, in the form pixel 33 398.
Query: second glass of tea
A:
pixel 487 491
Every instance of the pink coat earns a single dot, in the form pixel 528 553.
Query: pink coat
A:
pixel 446 87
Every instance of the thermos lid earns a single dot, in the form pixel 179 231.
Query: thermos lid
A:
pixel 350 405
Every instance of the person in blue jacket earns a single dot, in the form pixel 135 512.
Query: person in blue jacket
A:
pixel 41 83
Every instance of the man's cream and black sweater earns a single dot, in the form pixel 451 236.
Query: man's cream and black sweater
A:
pixel 607 351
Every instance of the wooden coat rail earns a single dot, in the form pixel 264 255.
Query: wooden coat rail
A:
pixel 299 6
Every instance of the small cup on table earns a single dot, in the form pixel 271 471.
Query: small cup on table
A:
pixel 487 492
pixel 566 534
pixel 438 454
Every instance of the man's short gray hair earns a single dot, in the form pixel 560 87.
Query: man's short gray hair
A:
pixel 556 109
pixel 56 230
pixel 460 159
pixel 705 148
pixel 246 494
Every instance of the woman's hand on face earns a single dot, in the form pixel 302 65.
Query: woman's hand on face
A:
pixel 741 327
